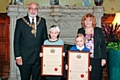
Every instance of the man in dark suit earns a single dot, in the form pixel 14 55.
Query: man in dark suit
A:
pixel 30 32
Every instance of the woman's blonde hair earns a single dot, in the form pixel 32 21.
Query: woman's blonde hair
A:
pixel 91 16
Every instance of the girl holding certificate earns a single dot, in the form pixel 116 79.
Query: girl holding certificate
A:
pixel 79 46
pixel 54 39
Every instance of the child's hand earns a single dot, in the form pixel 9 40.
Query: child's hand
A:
pixel 66 67
pixel 63 54
pixel 41 54
pixel 90 68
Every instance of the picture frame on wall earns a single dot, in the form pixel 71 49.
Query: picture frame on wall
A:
pixel 54 2
pixel 20 2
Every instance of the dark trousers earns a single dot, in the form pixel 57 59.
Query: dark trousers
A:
pixel 28 71
pixel 53 78
pixel 96 73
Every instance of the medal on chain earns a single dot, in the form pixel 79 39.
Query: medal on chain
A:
pixel 33 31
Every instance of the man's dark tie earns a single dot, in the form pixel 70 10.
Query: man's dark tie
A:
pixel 33 21
pixel 33 28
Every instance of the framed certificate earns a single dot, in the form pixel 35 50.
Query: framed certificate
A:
pixel 78 64
pixel 52 61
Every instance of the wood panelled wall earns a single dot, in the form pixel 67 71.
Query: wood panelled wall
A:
pixel 4 36
pixel 4 41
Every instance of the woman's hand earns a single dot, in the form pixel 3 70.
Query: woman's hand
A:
pixel 103 62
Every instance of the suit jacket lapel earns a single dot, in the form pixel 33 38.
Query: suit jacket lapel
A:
pixel 95 37
pixel 27 18
pixel 37 18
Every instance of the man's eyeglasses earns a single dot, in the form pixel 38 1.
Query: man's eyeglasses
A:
pixel 33 8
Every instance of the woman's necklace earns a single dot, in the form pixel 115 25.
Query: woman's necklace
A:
pixel 89 33
pixel 89 37
pixel 89 30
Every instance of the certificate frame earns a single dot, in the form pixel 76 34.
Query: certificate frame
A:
pixel 52 61
pixel 78 64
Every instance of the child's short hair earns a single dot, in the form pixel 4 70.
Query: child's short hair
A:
pixel 55 27
pixel 80 35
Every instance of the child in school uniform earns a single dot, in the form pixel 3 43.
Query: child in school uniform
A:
pixel 80 43
pixel 80 46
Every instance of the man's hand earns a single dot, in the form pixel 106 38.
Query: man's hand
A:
pixel 19 61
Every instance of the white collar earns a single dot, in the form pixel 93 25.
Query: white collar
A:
pixel 80 48
pixel 30 18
